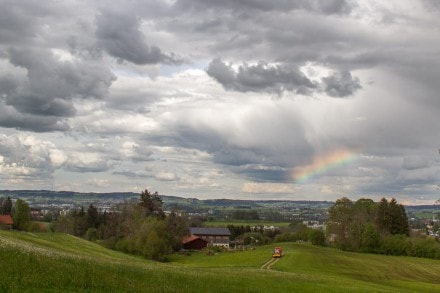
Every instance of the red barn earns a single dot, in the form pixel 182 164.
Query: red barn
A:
pixel 194 242
pixel 6 221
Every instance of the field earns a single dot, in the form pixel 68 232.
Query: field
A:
pixel 245 223
pixel 50 262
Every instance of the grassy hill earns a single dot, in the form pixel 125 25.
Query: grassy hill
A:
pixel 56 262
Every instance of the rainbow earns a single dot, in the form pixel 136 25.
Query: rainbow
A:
pixel 322 164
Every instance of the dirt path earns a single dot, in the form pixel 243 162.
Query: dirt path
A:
pixel 268 265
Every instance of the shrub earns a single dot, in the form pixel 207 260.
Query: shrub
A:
pixel 396 245
pixel 286 237
pixel 370 241
pixel 316 237
pixel 91 234
pixel 425 247
pixel 36 227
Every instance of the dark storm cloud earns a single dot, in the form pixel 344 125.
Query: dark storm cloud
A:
pixel 20 20
pixel 119 35
pixel 260 78
pixel 320 6
pixel 263 173
pixel 279 78
pixel 341 84
pixel 49 88
pixel 11 118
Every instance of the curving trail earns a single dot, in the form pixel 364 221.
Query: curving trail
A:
pixel 268 265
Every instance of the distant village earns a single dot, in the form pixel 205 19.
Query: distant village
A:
pixel 47 206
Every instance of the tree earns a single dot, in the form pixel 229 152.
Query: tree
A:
pixel 92 217
pixel 22 215
pixel 340 216
pixel 364 212
pixel 370 239
pixel 399 221
pixel 316 237
pixel 151 204
pixel 7 206
pixel 383 218
pixel 391 218
pixel 79 222
pixel 178 228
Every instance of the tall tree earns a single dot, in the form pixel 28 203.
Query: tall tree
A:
pixel 80 222
pixel 340 216
pixel 383 217
pixel 7 206
pixel 92 217
pixel 178 228
pixel 22 215
pixel 151 204
pixel 364 212
pixel 399 220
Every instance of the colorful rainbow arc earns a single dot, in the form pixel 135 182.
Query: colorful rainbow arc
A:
pixel 322 164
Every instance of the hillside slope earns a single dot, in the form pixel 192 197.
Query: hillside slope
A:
pixel 56 262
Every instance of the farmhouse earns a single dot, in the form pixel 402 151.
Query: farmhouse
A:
pixel 6 222
pixel 213 236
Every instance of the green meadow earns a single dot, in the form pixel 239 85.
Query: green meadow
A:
pixel 245 223
pixel 51 262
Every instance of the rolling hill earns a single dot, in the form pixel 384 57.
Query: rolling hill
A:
pixel 51 262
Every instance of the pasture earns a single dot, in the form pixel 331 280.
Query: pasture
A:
pixel 50 262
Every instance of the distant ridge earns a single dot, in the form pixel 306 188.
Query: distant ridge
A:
pixel 168 199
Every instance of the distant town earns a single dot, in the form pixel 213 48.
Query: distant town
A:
pixel 47 205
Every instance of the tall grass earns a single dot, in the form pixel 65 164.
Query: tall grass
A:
pixel 61 263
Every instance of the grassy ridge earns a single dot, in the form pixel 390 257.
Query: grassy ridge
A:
pixel 57 262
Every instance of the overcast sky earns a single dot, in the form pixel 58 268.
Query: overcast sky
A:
pixel 222 99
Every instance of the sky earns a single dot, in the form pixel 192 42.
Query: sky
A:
pixel 243 99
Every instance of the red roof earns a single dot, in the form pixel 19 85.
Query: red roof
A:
pixel 191 238
pixel 6 220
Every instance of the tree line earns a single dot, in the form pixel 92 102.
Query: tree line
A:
pixel 368 226
pixel 138 226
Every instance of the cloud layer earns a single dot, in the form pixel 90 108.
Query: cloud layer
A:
pixel 221 98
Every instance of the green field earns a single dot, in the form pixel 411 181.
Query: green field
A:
pixel 50 262
pixel 245 223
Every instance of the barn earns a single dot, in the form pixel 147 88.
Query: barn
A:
pixel 6 222
pixel 213 236
pixel 194 243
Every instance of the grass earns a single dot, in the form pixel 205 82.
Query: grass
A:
pixel 245 223
pixel 51 262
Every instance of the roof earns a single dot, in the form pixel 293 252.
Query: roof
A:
pixel 210 231
pixel 191 238
pixel 6 220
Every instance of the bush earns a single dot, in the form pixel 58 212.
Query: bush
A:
pixel 286 237
pixel 252 238
pixel 425 247
pixel 370 241
pixel 36 227
pixel 316 237
pixel 91 234
pixel 396 245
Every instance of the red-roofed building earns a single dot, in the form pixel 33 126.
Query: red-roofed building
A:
pixel 6 221
pixel 194 242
